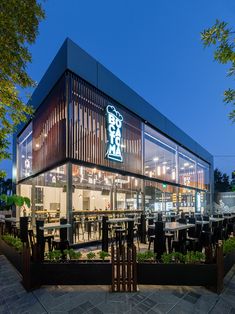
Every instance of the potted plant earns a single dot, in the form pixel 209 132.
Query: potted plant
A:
pixel 16 200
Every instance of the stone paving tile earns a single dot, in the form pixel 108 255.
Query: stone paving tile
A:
pixel 182 307
pixel 98 299
pixel 161 308
pixel 166 297
pixel 110 307
pixel 221 307
pixel 205 303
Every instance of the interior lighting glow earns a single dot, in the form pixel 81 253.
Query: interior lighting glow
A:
pixel 155 159
pixel 158 170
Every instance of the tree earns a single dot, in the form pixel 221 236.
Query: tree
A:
pixel 5 186
pixel 19 22
pixel 222 37
pixel 221 181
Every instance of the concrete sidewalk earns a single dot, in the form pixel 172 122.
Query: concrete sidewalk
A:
pixel 97 299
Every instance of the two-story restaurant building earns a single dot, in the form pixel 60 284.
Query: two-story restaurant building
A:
pixel 94 146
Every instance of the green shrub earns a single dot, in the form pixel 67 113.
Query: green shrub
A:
pixel 13 241
pixel 53 255
pixel 103 255
pixel 91 255
pixel 189 258
pixel 194 257
pixel 174 257
pixel 229 245
pixel 71 253
pixel 145 256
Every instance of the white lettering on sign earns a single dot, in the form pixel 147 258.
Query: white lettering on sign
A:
pixel 114 134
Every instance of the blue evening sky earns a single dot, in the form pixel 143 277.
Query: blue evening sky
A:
pixel 154 46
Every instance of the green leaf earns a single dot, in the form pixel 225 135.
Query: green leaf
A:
pixel 27 201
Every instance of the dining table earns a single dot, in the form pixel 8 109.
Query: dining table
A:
pixel 174 226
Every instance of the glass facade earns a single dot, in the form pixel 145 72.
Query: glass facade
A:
pixel 24 153
pixel 68 135
pixel 160 159
pixel 47 193
pixel 98 190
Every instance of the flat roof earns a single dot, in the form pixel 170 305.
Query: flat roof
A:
pixel 71 57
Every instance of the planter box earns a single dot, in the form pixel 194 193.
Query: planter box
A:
pixel 177 274
pixel 12 255
pixel 75 273
pixel 229 261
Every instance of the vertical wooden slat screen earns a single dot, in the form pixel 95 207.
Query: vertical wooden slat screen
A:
pixel 88 128
pixel 49 129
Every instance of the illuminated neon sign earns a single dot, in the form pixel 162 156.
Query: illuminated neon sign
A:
pixel 114 134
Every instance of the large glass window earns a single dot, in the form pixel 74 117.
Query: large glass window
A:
pixel 47 193
pixel 160 197
pixel 24 153
pixel 187 200
pixel 96 190
pixel 160 156
pixel 187 168
pixel 203 175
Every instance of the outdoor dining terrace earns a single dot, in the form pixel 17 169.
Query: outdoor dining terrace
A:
pixel 132 249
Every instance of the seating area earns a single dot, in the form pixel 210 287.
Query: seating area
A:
pixel 154 232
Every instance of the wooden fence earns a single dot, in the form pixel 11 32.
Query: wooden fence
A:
pixel 124 270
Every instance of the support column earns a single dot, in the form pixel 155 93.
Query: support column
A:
pixel 69 201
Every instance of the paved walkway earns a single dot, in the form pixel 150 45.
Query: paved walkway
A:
pixel 97 299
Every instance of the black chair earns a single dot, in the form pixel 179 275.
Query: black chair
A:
pixel 62 243
pixel 169 238
pixel 120 235
pixel 192 239
pixel 198 217
pixel 151 237
pixel 191 220
pixel 182 220
pixel 180 244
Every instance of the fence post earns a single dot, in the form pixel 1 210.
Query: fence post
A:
pixel 26 267
pixel 220 267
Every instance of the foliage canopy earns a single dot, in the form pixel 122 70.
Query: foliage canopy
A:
pixel 19 22
pixel 222 37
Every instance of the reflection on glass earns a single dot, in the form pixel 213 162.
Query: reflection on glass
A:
pixel 160 156
pixel 187 168
pixel 203 171
pixel 160 197
pixel 24 153
pixel 186 200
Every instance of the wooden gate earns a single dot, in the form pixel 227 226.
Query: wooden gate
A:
pixel 124 274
